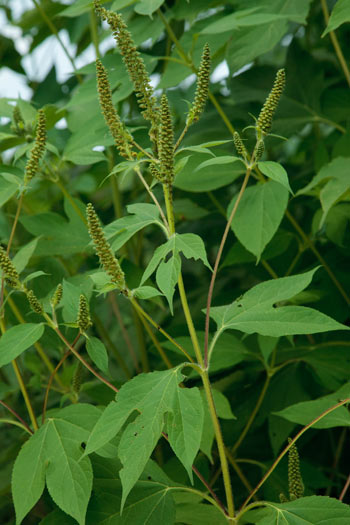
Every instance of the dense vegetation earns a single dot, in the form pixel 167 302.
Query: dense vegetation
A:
pixel 175 282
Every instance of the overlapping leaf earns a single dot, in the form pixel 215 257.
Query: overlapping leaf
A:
pixel 258 311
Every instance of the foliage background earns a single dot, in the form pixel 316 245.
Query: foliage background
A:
pixel 313 115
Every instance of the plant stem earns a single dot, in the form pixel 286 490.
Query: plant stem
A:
pixel 159 328
pixel 141 340
pixel 12 234
pixel 50 383
pixel 155 341
pixel 217 262
pixel 311 245
pixel 71 201
pixel 23 423
pixel 335 43
pixel 239 472
pixel 56 33
pixel 36 345
pixel 208 487
pixel 116 310
pixel 253 413
pixel 168 196
pixel 25 395
pixel 285 450
pixel 220 443
pixel 77 355
pixel 94 32
pixel 345 488
pixel 153 197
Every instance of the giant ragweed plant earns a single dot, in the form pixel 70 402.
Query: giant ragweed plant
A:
pixel 130 333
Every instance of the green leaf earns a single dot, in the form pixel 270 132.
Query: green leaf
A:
pixel 154 395
pixel 276 172
pixel 8 187
pixel 339 15
pixel 121 230
pixel 23 255
pixel 167 276
pixel 199 514
pixel 28 475
pixel 304 412
pixel 208 177
pixel 243 18
pixel 255 230
pixel 98 353
pixel 313 510
pixel 56 449
pixel 223 410
pixel 147 7
pixel 17 339
pixel 189 244
pixel 145 292
pixel 150 502
pixel 333 179
pixel 217 161
pixel 255 311
pixel 185 424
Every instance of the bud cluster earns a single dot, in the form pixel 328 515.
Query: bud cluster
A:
pixel 38 150
pixel 121 136
pixel 264 121
pixel 296 486
pixel 107 259
pixel 34 303
pixel 240 147
pixel 166 143
pixel 83 319
pixel 8 268
pixel 57 296
pixel 202 89
pixel 133 62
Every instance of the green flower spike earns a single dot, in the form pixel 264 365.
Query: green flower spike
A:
pixel 38 150
pixel 133 62
pixel 259 150
pixel 34 302
pixel 202 89
pixel 166 143
pixel 57 296
pixel 83 320
pixel 240 147
pixel 107 259
pixel 77 377
pixel 264 121
pixel 8 268
pixel 122 137
pixel 296 486
pixel 18 125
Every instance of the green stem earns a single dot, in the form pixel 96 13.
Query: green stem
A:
pixel 335 43
pixel 253 414
pixel 159 328
pixel 25 395
pixel 94 32
pixel 155 341
pixel 141 340
pixel 217 262
pixel 17 416
pixel 244 507
pixel 168 197
pixel 71 201
pixel 220 443
pixel 312 247
pixel 54 31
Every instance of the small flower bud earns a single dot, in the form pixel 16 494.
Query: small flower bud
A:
pixel 118 131
pixel 202 89
pixel 57 296
pixel 240 147
pixel 34 302
pixel 109 262
pixel 78 377
pixel 166 143
pixel 83 320
pixel 264 121
pixel 38 150
pixel 133 62
pixel 296 486
pixel 259 150
pixel 8 269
